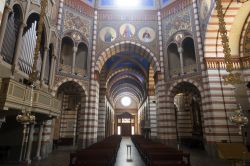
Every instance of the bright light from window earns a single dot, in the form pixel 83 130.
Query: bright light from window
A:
pixel 133 130
pixel 119 130
pixel 127 3
pixel 126 101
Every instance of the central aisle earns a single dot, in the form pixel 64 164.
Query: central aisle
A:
pixel 121 159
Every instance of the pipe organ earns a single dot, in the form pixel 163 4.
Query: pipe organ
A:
pixel 26 58
pixel 8 48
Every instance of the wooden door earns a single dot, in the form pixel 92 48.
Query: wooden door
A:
pixel 126 129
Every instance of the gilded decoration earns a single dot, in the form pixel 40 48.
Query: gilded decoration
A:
pixel 177 22
pixel 74 22
pixel 230 78
pixel 247 41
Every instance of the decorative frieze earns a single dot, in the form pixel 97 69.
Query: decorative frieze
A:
pixel 75 22
pixel 219 63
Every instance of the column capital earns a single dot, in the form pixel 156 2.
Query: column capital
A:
pixel 40 123
pixel 54 56
pixel 180 49
pixel 75 49
pixel 46 48
pixel 8 8
pixel 22 25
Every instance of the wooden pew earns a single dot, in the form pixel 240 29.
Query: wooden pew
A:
pixel 157 154
pixel 99 154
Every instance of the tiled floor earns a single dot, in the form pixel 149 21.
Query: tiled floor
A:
pixel 201 158
pixel 122 158
pixel 60 157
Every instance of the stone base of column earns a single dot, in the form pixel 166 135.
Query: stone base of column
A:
pixel 15 70
pixel 169 142
pixel 38 158
pixel 1 59
pixel 28 162
pixel 82 143
pixel 211 149
pixel 99 138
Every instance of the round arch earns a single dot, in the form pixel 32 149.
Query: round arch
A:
pixel 125 46
pixel 55 88
pixel 196 84
pixel 234 30
pixel 19 5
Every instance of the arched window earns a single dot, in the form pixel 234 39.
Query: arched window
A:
pixel 11 34
pixel 188 52
pixel 67 51
pixel 173 59
pixel 81 56
pixel 48 64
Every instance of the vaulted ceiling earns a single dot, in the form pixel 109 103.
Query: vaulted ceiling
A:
pixel 126 74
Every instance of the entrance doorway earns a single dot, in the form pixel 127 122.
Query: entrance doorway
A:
pixel 125 124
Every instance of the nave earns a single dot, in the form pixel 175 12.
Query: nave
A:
pixel 75 72
pixel 61 157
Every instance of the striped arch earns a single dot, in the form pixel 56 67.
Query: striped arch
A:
pixel 122 70
pixel 55 88
pixel 235 18
pixel 243 34
pixel 196 84
pixel 131 90
pixel 133 96
pixel 169 112
pixel 129 76
pixel 127 46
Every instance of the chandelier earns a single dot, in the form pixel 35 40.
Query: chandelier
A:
pixel 26 118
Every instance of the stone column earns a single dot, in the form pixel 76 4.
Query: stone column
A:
pixel 74 60
pixel 40 136
pixel 23 142
pixel 180 50
pixel 31 133
pixel 45 55
pixel 18 46
pixel 4 24
pixel 52 71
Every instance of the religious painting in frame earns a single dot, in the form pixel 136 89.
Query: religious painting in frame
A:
pixel 127 30
pixel 108 34
pixel 146 34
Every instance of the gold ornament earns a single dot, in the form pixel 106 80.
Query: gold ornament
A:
pixel 239 119
pixel 26 118
pixel 231 78
pixel 33 75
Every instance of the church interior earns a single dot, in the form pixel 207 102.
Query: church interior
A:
pixel 85 82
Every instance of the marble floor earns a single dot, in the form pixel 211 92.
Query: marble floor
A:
pixel 124 159
pixel 60 157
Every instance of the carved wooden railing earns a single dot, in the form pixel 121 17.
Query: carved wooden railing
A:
pixel 219 63
pixel 14 95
